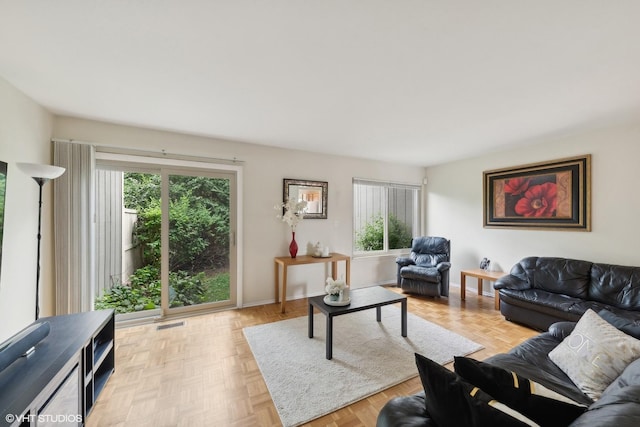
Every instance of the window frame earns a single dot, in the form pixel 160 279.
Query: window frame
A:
pixel 417 228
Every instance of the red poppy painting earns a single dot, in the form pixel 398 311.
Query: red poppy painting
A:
pixel 553 195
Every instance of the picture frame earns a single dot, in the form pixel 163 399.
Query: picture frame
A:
pixel 315 193
pixel 551 195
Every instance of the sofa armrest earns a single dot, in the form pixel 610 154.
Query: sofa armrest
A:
pixel 405 411
pixel 511 282
pixel 443 266
pixel 561 330
pixel 404 261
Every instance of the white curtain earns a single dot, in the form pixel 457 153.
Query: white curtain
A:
pixel 74 195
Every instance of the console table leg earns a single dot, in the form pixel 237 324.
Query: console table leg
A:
pixel 348 270
pixel 379 314
pixel 277 281
pixel 284 289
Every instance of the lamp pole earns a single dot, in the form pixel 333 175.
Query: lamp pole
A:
pixel 41 174
pixel 41 182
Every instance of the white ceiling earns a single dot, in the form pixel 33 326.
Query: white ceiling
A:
pixel 413 81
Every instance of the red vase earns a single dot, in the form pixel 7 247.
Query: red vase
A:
pixel 293 246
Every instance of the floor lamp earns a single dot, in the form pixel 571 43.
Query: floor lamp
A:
pixel 41 175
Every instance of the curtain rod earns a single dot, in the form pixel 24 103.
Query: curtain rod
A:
pixel 161 154
pixel 384 181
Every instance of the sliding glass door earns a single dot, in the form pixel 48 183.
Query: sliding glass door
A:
pixel 165 240
pixel 199 236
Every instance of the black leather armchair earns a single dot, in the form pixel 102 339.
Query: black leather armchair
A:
pixel 426 271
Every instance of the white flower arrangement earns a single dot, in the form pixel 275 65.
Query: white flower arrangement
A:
pixel 334 286
pixel 293 212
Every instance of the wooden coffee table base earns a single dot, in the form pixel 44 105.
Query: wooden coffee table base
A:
pixel 361 299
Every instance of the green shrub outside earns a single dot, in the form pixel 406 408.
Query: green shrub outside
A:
pixel 198 242
pixel 371 238
pixel 143 291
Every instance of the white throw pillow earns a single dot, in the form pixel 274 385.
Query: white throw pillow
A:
pixel 595 354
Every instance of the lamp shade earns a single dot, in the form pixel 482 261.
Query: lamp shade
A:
pixel 41 171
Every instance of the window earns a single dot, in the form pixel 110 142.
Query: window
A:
pixel 386 216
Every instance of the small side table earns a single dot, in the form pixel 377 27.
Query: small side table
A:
pixel 481 275
pixel 285 262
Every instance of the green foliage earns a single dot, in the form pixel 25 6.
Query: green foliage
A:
pixel 186 289
pixel 198 243
pixel 143 293
pixel 219 287
pixel 399 234
pixel 371 237
pixel 147 280
pixel 147 233
pixel 143 290
pixel 190 234
pixel 140 189
pixel 212 195
pixel 198 215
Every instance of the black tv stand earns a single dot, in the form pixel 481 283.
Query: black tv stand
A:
pixel 60 380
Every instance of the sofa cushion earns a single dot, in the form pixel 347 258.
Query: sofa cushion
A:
pixel 558 275
pixel 540 300
pixel 426 274
pixel 562 276
pixel 619 408
pixel 452 402
pixel 535 401
pixel 594 354
pixel 625 324
pixel 530 359
pixel 615 285
pixel 429 251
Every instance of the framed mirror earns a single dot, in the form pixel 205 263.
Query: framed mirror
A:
pixel 315 193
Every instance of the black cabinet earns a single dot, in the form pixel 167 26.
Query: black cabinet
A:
pixel 58 382
pixel 99 363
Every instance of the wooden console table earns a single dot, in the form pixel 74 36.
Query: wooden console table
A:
pixel 286 261
pixel 481 275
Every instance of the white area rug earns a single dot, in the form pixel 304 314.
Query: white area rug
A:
pixel 367 357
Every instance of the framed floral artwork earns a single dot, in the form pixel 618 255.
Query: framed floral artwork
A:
pixel 554 195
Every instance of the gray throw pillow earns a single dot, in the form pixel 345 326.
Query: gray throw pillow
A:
pixel 595 354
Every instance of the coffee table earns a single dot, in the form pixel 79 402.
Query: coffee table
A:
pixel 361 299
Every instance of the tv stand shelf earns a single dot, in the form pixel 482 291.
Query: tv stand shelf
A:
pixel 62 378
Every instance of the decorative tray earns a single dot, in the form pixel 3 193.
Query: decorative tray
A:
pixel 328 301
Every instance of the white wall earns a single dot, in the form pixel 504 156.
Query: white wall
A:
pixel 25 131
pixel 454 204
pixel 264 169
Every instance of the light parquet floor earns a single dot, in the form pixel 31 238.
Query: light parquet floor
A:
pixel 204 374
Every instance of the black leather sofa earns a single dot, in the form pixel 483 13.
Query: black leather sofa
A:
pixel 618 406
pixel 540 291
